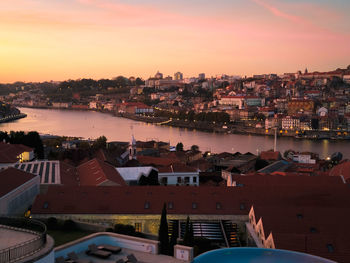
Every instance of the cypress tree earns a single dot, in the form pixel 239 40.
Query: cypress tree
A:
pixel 163 235
pixel 191 238
pixel 187 238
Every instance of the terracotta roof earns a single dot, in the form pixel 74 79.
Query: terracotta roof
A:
pixel 295 191
pixel 12 178
pixel 270 155
pixel 157 161
pixel 9 152
pixel 69 174
pixel 342 169
pixel 177 168
pixel 96 172
pixel 132 199
pixel 307 228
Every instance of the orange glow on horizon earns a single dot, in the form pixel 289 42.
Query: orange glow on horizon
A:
pixel 43 41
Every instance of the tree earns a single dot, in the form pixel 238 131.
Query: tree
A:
pixel 100 142
pixel 163 235
pixel 174 236
pixel 188 236
pixel 179 147
pixel 194 148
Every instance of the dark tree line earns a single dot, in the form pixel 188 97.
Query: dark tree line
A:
pixel 219 117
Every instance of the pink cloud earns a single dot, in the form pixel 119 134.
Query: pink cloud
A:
pixel 277 12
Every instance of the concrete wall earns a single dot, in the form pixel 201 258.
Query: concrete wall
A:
pixel 18 200
pixel 183 253
pixel 150 223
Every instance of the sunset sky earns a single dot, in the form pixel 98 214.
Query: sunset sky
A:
pixel 69 39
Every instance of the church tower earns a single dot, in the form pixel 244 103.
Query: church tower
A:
pixel 132 149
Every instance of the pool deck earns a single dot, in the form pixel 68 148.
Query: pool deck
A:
pixel 11 237
pixel 141 256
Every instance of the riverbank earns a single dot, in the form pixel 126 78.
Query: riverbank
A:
pixel 13 117
pixel 238 129
pixel 211 127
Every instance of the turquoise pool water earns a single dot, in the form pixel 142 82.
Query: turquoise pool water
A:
pixel 255 255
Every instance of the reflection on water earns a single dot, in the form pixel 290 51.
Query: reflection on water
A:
pixel 94 124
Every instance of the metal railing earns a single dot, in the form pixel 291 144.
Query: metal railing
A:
pixel 27 248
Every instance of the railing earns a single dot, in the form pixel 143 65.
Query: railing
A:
pixel 27 248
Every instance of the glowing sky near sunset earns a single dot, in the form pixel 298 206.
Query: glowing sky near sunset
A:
pixel 69 39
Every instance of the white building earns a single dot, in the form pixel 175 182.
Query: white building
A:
pixel 346 79
pixel 178 175
pixel 303 158
pixel 132 175
pixel 17 191
pixel 290 123
pixel 322 112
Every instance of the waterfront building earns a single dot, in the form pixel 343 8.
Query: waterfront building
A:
pixel 291 123
pixel 201 76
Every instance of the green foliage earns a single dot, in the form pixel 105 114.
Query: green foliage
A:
pixel 69 225
pixel 217 117
pixel 52 223
pixel 179 147
pixel 151 179
pixel 188 236
pixel 100 143
pixel 163 235
pixel 194 148
pixel 31 139
pixel 173 239
pixel 124 229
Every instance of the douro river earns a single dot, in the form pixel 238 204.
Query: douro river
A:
pixel 89 124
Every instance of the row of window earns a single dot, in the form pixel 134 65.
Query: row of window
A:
pixel 180 180
pixel 194 205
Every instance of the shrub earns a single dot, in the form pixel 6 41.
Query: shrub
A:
pixel 52 223
pixel 124 229
pixel 69 225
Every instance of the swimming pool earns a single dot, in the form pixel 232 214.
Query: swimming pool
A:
pixel 261 255
pixel 81 245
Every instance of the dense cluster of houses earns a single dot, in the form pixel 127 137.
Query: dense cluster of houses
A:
pixel 296 202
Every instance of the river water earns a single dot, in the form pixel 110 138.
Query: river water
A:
pixel 89 124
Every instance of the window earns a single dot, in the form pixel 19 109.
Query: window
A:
pixel 242 206
pixel 164 180
pixel 187 180
pixel 138 227
pixel 194 179
pixel 194 205
pixel 300 216
pixel 147 205
pixel 179 180
pixel 46 205
pixel 330 248
pixel 170 205
pixel 218 206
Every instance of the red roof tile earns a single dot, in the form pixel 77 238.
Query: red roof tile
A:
pixel 96 172
pixel 12 178
pixel 9 152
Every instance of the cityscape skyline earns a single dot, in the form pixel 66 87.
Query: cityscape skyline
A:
pixel 61 40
